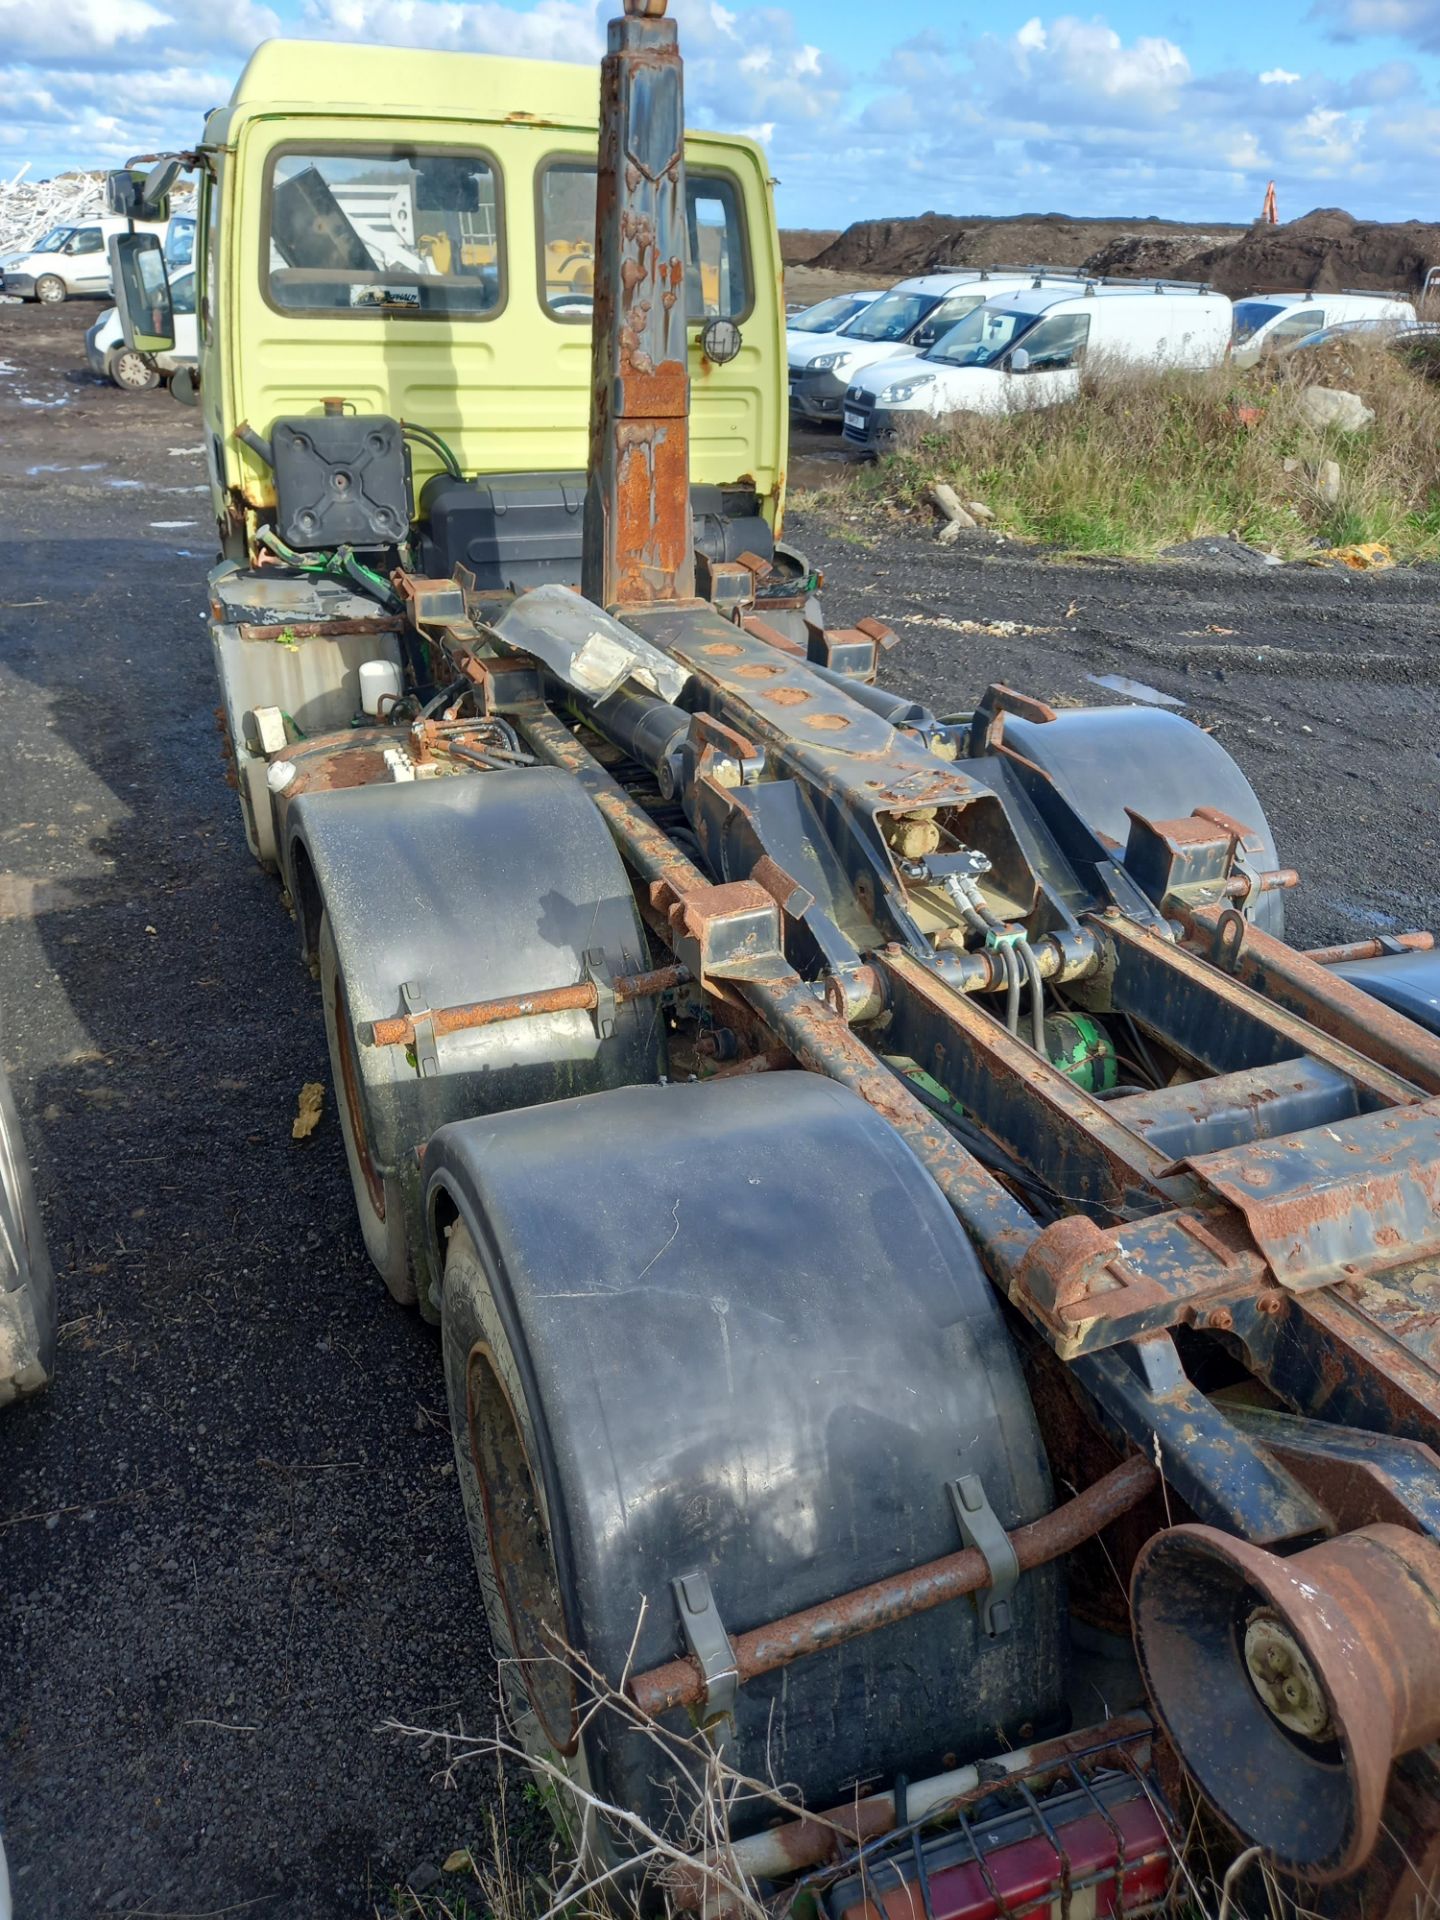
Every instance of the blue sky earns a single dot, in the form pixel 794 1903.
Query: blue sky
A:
pixel 1182 109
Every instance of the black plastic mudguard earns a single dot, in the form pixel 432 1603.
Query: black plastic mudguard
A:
pixel 1407 981
pixel 468 888
pixel 1105 759
pixel 756 1343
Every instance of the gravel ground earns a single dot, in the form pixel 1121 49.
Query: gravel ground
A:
pixel 230 1544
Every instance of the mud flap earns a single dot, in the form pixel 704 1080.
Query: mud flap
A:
pixel 1105 759
pixel 447 891
pixel 755 1344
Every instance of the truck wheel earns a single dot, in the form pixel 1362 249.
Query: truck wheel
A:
pixel 132 370
pixel 505 1510
pixel 378 1199
pixel 50 289
pixel 673 1323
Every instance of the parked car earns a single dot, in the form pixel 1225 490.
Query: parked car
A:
pixel 72 259
pixel 1274 322
pixel 910 317
pixel 1026 349
pixel 807 324
pixel 110 359
pixel 27 1282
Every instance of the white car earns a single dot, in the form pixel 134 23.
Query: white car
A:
pixel 73 258
pixel 810 324
pixel 1026 349
pixel 907 319
pixel 110 358
pixel 1273 322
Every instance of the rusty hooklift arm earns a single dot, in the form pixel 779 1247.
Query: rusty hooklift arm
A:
pixel 637 538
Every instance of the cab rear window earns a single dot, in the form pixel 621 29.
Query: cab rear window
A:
pixel 407 233
pixel 719 277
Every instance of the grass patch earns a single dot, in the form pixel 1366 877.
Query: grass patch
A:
pixel 1144 461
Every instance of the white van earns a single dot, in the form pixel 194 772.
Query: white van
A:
pixel 1273 322
pixel 70 259
pixel 805 329
pixel 1027 349
pixel 907 319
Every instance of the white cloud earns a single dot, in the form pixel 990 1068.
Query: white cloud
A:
pixel 1059 111
pixel 75 28
pixel 553 30
pixel 1416 20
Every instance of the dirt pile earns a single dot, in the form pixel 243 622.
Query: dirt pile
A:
pixel 932 240
pixel 1322 252
pixel 800 245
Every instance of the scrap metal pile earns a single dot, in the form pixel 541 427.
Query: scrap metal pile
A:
pixel 29 208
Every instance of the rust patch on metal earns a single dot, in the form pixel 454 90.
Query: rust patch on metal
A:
pixel 790 697
pixel 827 722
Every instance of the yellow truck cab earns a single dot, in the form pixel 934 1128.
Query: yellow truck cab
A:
pixel 399 245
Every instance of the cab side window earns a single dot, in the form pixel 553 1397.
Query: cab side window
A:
pixel 719 282
pixel 1057 343
pixel 182 292
pixel 87 240
pixel 719 276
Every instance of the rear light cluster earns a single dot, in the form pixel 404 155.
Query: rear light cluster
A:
pixel 1092 1849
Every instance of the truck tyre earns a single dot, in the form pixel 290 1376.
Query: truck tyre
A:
pixel 494 1445
pixel 731 1330
pixel 50 289
pixel 27 1280
pixel 379 1202
pixel 131 370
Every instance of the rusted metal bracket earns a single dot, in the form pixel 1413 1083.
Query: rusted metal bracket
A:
pixel 980 1528
pixel 422 1029
pixel 599 977
pixel 721 932
pixel 709 1646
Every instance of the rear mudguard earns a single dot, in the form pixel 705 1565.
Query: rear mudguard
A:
pixel 1407 981
pixel 465 888
pixel 755 1343
pixel 1104 760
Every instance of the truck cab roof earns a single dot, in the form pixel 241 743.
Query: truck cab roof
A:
pixel 346 80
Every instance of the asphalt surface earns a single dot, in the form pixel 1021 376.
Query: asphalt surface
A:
pixel 230 1544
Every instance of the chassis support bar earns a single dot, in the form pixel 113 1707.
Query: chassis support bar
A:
pixel 680 1683
pixel 1302 986
pixel 583 996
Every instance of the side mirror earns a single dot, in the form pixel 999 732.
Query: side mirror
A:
pixel 1019 360
pixel 143 193
pixel 156 187
pixel 924 338
pixel 142 291
pixel 185 386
